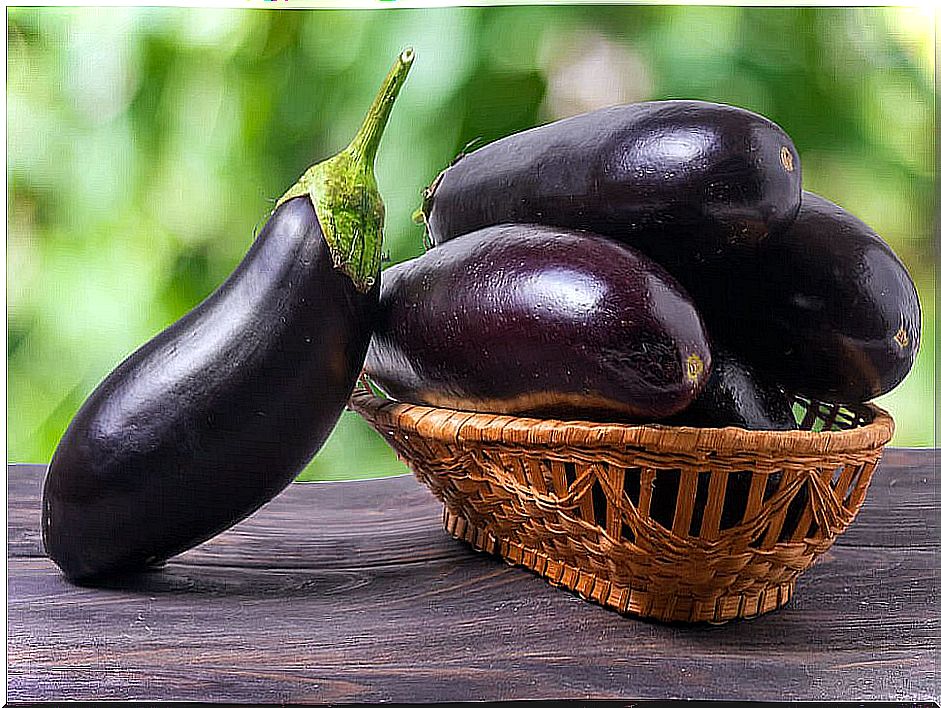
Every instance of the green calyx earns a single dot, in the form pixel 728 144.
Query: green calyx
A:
pixel 344 192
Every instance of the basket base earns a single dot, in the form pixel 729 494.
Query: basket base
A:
pixel 624 599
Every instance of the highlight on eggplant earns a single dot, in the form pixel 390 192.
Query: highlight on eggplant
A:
pixel 537 320
pixel 215 415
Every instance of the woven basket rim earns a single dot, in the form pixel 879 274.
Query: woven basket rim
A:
pixel 451 425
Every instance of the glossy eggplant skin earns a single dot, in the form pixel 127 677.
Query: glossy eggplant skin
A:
pixel 642 173
pixel 737 395
pixel 537 320
pixel 216 414
pixel 825 309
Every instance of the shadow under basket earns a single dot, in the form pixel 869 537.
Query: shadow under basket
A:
pixel 667 522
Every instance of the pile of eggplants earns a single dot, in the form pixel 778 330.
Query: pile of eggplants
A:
pixel 654 262
pixel 215 415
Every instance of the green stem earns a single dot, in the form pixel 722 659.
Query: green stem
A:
pixel 366 143
pixel 344 192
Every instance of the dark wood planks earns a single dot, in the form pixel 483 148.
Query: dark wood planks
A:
pixel 353 592
pixel 902 507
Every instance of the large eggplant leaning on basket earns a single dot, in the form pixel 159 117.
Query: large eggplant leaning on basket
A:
pixel 219 412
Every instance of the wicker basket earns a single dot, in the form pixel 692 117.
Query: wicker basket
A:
pixel 672 523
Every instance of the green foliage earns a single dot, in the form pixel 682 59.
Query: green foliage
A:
pixel 146 145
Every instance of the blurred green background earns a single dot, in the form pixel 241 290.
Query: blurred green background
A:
pixel 145 145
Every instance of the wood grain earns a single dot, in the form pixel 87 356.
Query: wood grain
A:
pixel 352 591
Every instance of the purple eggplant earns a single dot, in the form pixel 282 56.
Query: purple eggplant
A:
pixel 218 413
pixel 691 174
pixel 737 395
pixel 537 320
pixel 825 309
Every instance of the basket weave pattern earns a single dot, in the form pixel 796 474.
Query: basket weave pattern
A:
pixel 673 523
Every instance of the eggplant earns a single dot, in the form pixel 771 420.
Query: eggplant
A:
pixel 536 320
pixel 691 174
pixel 737 395
pixel 825 309
pixel 219 412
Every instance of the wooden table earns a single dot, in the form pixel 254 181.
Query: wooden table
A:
pixel 352 591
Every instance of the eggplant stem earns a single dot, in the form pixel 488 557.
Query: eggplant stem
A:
pixel 344 192
pixel 366 142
